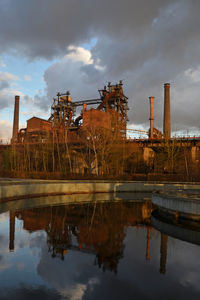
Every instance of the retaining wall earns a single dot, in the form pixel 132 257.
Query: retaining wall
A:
pixel 19 188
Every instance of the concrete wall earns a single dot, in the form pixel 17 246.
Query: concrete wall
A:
pixel 18 188
pixel 185 205
pixel 178 232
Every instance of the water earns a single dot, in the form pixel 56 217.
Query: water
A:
pixel 96 250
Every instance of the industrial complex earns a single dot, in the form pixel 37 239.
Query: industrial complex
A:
pixel 110 114
pixel 89 137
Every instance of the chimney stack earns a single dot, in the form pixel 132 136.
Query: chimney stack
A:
pixel 15 121
pixel 166 121
pixel 151 99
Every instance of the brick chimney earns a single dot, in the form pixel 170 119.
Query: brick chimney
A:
pixel 15 121
pixel 166 121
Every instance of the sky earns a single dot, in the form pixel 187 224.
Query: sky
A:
pixel 53 46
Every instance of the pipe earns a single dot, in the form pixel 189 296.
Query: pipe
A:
pixel 15 121
pixel 166 121
pixel 151 100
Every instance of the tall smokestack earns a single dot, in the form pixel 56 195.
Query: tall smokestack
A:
pixel 151 100
pixel 166 121
pixel 15 121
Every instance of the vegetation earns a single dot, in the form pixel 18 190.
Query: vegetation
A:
pixel 100 154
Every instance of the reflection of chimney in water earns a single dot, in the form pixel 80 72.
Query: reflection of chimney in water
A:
pixel 15 121
pixel 148 243
pixel 163 253
pixel 166 121
pixel 12 231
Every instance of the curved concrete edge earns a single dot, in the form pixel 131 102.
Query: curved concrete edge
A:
pixel 177 204
pixel 19 188
pixel 177 232
pixel 28 203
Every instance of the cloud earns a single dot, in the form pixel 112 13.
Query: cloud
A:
pixel 2 64
pixel 75 292
pixel 6 90
pixel 27 77
pixel 51 32
pixel 5 130
pixel 146 43
pixel 6 76
pixel 79 54
pixel 193 74
pixel 77 72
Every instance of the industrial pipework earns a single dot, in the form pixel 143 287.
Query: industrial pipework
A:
pixel 166 120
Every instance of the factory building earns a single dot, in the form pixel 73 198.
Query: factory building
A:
pixel 109 114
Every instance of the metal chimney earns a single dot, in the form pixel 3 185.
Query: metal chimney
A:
pixel 15 121
pixel 166 121
pixel 151 100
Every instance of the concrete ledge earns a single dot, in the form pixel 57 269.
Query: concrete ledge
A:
pixel 179 232
pixel 178 203
pixel 28 202
pixel 19 188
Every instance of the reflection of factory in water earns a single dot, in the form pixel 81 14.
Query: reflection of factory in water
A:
pixel 96 228
pixel 100 228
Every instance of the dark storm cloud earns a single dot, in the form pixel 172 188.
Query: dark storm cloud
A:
pixel 144 42
pixel 45 28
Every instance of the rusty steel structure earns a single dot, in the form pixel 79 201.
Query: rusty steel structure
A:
pixel 110 114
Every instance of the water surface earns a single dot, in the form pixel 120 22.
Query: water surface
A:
pixel 95 249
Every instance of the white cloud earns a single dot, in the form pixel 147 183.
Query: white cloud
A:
pixel 2 64
pixel 16 92
pixel 5 130
pixel 79 54
pixel 8 76
pixel 27 77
